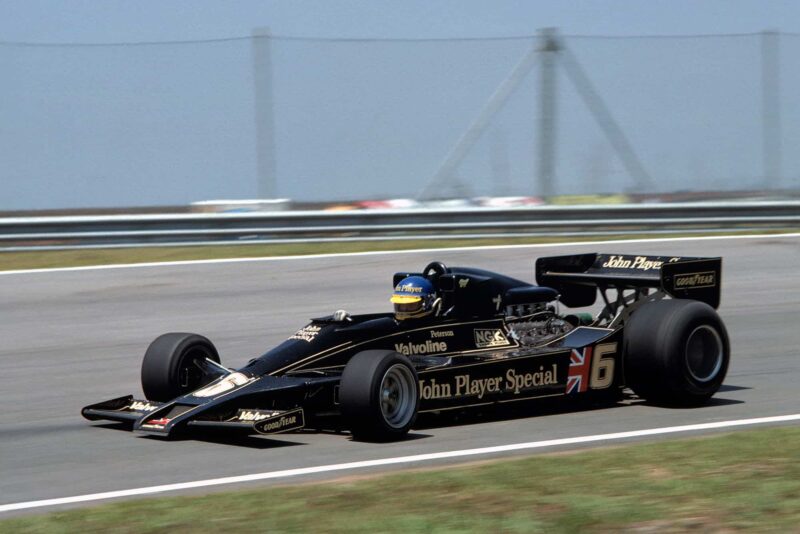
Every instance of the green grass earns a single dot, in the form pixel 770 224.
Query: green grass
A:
pixel 741 481
pixel 71 258
pixel 75 258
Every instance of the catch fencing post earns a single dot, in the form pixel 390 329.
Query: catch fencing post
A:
pixel 770 108
pixel 265 122
pixel 547 111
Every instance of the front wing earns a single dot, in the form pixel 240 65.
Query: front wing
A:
pixel 142 415
pixel 266 405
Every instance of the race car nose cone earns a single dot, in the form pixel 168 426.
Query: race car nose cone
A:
pixel 224 384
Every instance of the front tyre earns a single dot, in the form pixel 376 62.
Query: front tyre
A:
pixel 676 352
pixel 378 395
pixel 173 365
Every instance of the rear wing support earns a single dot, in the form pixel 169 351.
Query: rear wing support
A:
pixel 578 277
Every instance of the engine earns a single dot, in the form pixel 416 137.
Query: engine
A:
pixel 540 331
pixel 536 324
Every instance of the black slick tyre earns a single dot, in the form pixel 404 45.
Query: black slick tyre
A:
pixel 676 352
pixel 378 395
pixel 170 365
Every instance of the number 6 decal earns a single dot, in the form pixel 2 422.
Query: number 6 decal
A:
pixel 603 368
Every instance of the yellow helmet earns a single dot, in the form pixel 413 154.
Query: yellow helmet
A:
pixel 413 297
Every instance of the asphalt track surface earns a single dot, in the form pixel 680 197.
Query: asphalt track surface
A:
pixel 71 338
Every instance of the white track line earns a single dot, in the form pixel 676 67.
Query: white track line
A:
pixel 389 252
pixel 398 460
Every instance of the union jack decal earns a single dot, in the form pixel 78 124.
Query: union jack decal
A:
pixel 580 361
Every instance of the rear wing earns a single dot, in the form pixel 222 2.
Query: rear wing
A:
pixel 577 277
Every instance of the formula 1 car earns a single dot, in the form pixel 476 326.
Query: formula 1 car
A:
pixel 494 340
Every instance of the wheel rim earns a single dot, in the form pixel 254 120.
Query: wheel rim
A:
pixel 398 396
pixel 704 353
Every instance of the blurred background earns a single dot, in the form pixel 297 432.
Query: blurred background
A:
pixel 112 105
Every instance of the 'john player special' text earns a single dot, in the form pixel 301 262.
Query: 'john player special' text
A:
pixel 467 386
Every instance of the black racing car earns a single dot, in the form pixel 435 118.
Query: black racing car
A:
pixel 493 340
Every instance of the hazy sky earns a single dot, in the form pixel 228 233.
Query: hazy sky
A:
pixel 116 20
pixel 171 124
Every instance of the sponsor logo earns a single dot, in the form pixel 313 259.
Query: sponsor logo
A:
pixel 409 349
pixel 642 263
pixel 466 386
pixel 157 423
pixel 307 333
pixel 430 389
pixel 542 377
pixel 490 337
pixel 695 280
pixel 462 283
pixel 282 422
pixel 142 406
pixel 408 288
pixel 254 415
pixel 287 421
pixel 442 333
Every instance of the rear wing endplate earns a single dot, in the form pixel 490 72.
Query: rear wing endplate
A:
pixel 577 277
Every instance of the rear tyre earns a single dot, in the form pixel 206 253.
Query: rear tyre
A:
pixel 676 352
pixel 378 395
pixel 172 365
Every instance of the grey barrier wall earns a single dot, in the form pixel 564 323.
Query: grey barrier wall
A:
pixel 139 124
pixel 31 233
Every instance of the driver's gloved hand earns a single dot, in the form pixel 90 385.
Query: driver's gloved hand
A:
pixel 341 316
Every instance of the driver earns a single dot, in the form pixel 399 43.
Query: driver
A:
pixel 414 297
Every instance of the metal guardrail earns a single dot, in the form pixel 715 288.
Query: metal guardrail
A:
pixel 49 233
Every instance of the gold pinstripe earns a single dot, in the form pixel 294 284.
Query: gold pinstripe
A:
pixel 461 406
pixel 308 360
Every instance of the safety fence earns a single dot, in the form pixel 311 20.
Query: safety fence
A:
pixel 75 232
